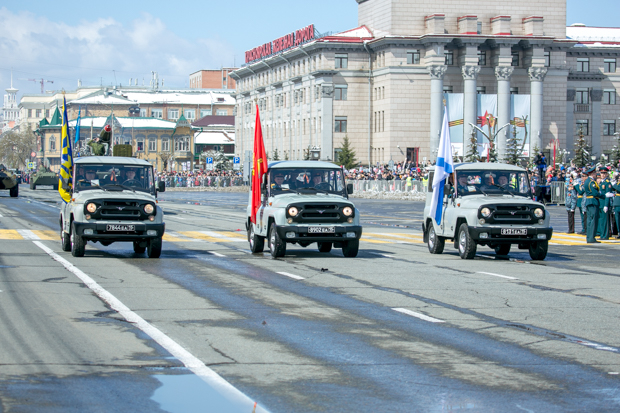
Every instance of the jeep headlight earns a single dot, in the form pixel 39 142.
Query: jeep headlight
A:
pixel 149 208
pixel 347 211
pixel 485 212
pixel 539 213
pixel 91 207
pixel 292 211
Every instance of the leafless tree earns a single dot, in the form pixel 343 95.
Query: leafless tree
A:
pixel 16 146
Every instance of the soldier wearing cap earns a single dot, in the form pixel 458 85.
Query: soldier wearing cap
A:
pixel 579 187
pixel 604 204
pixel 278 180
pixel 616 205
pixel 592 195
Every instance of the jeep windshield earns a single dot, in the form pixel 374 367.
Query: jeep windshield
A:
pixel 113 177
pixel 306 181
pixel 496 182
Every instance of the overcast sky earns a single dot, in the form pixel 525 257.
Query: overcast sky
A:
pixel 110 42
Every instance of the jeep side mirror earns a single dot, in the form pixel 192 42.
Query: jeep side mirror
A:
pixel 161 186
pixel 349 189
pixel 447 189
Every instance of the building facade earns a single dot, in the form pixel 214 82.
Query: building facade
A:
pixel 383 84
pixel 212 79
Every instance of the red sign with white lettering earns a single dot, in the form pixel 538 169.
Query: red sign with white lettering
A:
pixel 285 42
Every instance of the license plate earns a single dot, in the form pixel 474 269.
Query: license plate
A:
pixel 126 228
pixel 511 231
pixel 321 230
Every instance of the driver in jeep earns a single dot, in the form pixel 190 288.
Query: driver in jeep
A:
pixel 130 178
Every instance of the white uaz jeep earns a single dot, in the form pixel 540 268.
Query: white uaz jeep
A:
pixel 488 204
pixel 305 202
pixel 114 199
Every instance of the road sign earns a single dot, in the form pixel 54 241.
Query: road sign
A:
pixel 32 155
pixel 30 165
pixel 236 163
pixel 209 162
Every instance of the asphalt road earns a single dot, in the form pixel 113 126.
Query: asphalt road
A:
pixel 211 327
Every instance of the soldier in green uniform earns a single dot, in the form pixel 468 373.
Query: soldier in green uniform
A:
pixel 592 195
pixel 616 205
pixel 580 203
pixel 604 204
pixel 99 145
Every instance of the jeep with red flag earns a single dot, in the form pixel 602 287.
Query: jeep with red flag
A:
pixel 303 202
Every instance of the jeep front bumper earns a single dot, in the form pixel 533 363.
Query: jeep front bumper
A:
pixel 493 235
pixel 99 231
pixel 290 233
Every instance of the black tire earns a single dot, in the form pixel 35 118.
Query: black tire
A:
pixel 65 240
pixel 538 250
pixel 435 243
pixel 14 192
pixel 138 249
pixel 78 244
pixel 324 246
pixel 154 247
pixel 351 248
pixel 277 247
pixel 502 249
pixel 257 243
pixel 467 246
pixel 56 187
pixel 33 187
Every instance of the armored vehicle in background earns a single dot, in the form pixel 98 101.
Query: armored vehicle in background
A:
pixel 8 180
pixel 43 177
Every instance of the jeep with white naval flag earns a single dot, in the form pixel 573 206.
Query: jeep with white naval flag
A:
pixel 113 199
pixel 303 202
pixel 487 204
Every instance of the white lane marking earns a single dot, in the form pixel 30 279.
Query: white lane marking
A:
pixel 1 215
pixel 418 315
pixel 614 373
pixel 497 275
pixel 296 277
pixel 217 254
pixel 27 234
pixel 382 255
pixel 190 361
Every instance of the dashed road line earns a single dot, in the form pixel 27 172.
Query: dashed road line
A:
pixel 497 275
pixel 293 276
pixel 418 315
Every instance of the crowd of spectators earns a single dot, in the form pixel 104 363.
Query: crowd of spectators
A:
pixel 186 179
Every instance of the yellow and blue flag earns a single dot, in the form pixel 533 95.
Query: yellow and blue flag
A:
pixel 66 158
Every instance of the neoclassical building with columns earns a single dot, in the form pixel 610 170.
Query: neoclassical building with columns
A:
pixel 384 83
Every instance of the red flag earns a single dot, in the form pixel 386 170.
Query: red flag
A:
pixel 259 166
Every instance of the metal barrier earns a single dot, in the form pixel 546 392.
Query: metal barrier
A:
pixel 387 186
pixel 558 192
pixel 207 181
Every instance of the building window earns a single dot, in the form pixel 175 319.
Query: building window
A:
pixel 482 58
pixel 165 144
pixel 173 113
pixel 479 27
pixel 609 97
pixel 39 112
pixel 222 112
pixel 481 90
pixel 181 144
pixel 583 126
pixel 190 114
pixel 514 90
pixel 340 92
pixel 583 64
pixel 547 59
pixel 157 113
pixel 582 96
pixel 52 143
pixel 341 124
pixel 140 144
pixel 609 66
pixel 413 57
pixel 515 59
pixel 342 60
pixel 609 127
pixel 205 112
pixel 29 113
pixel 152 144
pixel 449 57
pixel 143 113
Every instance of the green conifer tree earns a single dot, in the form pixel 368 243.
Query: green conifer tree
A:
pixel 513 148
pixel 582 152
pixel 472 148
pixel 276 155
pixel 346 157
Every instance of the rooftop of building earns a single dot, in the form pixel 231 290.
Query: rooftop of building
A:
pixel 594 36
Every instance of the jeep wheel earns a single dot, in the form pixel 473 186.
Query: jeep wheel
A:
pixel 276 245
pixel 78 244
pixel 257 243
pixel 351 248
pixel 33 186
pixel 324 246
pixel 154 247
pixel 467 246
pixel 435 243
pixel 65 240
pixel 502 249
pixel 137 248
pixel 14 192
pixel 538 250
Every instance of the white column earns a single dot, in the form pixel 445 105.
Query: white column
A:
pixel 597 97
pixel 537 75
pixel 503 74
pixel 470 74
pixel 436 72
pixel 327 111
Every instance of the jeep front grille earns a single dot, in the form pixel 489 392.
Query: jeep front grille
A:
pixel 120 210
